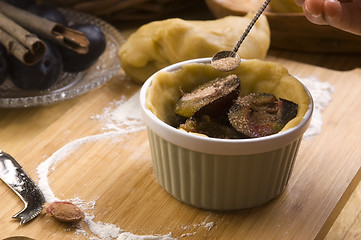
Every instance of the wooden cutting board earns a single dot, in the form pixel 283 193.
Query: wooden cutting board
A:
pixel 117 172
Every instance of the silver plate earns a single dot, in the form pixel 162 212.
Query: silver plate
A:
pixel 70 85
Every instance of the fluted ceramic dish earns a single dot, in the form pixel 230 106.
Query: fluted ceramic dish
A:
pixel 70 85
pixel 220 174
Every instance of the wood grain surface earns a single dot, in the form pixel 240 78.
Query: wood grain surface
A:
pixel 117 172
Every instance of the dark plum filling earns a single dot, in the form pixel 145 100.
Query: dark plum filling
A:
pixel 215 109
pixel 261 114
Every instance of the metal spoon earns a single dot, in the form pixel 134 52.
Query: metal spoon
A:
pixel 229 60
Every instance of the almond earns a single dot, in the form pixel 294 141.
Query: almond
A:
pixel 65 212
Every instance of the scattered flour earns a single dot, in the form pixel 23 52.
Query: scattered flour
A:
pixel 322 94
pixel 123 114
pixel 105 231
pixel 209 225
pixel 188 234
pixel 131 236
pixel 121 119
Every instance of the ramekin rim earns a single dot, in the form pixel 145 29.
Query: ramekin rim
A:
pixel 217 145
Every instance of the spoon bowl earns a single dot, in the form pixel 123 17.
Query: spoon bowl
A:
pixel 225 61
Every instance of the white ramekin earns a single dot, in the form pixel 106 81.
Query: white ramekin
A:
pixel 220 174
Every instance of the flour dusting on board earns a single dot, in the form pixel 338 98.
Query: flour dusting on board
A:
pixel 122 114
pixel 322 95
pixel 121 118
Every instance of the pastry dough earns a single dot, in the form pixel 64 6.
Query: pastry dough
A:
pixel 255 76
pixel 160 43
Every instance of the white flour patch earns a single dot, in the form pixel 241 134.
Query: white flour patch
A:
pixel 322 95
pixel 188 234
pixel 209 225
pixel 131 236
pixel 123 114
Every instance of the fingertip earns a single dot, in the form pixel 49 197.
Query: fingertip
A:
pixel 333 8
pixel 313 16
pixel 314 7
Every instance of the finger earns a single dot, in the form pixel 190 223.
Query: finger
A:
pixel 314 7
pixel 313 11
pixel 333 11
pixel 345 16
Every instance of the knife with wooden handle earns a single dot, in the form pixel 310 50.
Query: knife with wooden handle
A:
pixel 16 178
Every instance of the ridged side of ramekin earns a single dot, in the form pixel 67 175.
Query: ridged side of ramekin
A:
pixel 221 182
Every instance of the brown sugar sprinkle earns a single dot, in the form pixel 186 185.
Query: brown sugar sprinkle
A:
pixel 218 93
pixel 256 115
pixel 226 64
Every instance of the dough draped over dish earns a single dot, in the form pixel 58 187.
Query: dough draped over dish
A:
pixel 256 76
pixel 161 43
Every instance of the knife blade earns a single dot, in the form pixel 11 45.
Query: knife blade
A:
pixel 16 178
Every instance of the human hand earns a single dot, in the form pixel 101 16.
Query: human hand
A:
pixel 342 14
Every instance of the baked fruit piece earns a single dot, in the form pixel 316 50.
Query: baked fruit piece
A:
pixel 261 114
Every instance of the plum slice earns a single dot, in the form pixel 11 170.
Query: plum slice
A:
pixel 216 127
pixel 261 114
pixel 209 98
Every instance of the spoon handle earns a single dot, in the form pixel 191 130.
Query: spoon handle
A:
pixel 249 27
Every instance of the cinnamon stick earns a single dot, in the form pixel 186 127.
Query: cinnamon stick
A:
pixel 25 46
pixel 45 28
